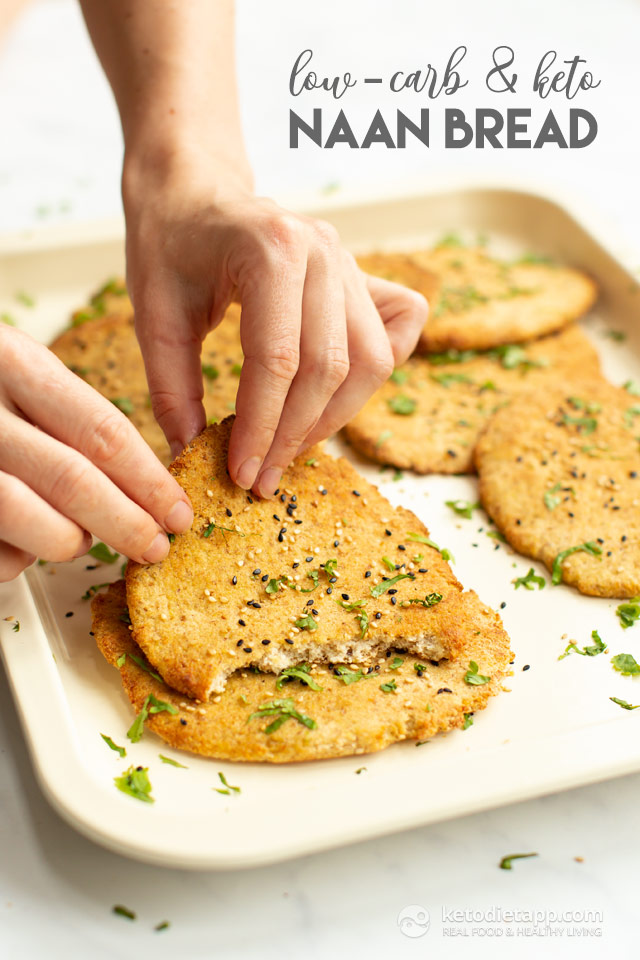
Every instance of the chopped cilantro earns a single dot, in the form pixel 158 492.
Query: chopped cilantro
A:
pixel 121 911
pixel 100 551
pixel 384 585
pixel 363 620
pixel 120 662
pixel 592 651
pixel 624 704
pixel 113 746
pixel 618 335
pixel 217 526
pixel 473 677
pixel 468 721
pixel 145 666
pixel 383 437
pixel 463 508
pixel 91 592
pixel 164 925
pixel 399 377
pixel 446 379
pixel 330 567
pixel 497 535
pixel 361 769
pixel 550 500
pixel 172 763
pixel 626 664
pixel 505 863
pixel 350 676
pixel 402 404
pixel 228 786
pixel 429 600
pixel 310 463
pixel 590 547
pixel 236 369
pixel 628 612
pixel 629 416
pixel 528 581
pixel 458 300
pixel 535 258
pixel 389 687
pixel 632 387
pixel 583 424
pixel 300 672
pixel 25 299
pixel 135 782
pixel 306 623
pixel 452 356
pixel 16 627
pixel 450 240
pixel 210 372
pixel 8 319
pixel 396 662
pixel 444 553
pixel 389 564
pixel 124 404
pixel 282 710
pixel 136 729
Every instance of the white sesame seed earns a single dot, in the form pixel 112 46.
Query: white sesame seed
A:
pixel 163 616
pixel 209 493
pixel 240 563
pixel 219 698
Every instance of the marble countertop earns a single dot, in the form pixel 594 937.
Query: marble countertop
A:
pixel 60 162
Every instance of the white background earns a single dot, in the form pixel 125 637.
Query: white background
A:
pixel 60 153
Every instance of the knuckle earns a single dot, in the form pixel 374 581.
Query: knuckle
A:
pixel 332 366
pixel 281 362
pixel 106 438
pixel 326 234
pixel 71 484
pixel 284 232
pixel 380 365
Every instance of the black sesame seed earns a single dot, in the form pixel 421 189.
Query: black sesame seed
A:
pixel 309 603
pixel 265 577
pixel 633 474
pixel 423 570
pixel 315 613
pixel 600 540
pixel 281 534
pixel 367 574
pixel 391 592
pixel 324 492
pixel 91 633
pixel 503 604
pixel 518 522
pixel 333 579
pixel 92 566
pixel 394 600
pixel 345 596
pixel 293 498
pixel 623 538
pixel 69 614
pixel 609 552
pixel 444 690
pixel 249 500
pixel 355 493
pixel 451 453
pixel 257 572
pixel 265 643
pixel 297 521
pixel 276 492
pixel 248 649
pixel 329 589
pixel 228 512
pixel 336 543
pixel 282 498
pixel 288 640
pixel 234 580
pixel 527 666
pixel 183 721
pixel 239 643
pixel 308 559
pixel 276 517
pixel 242 624
pixel 388 532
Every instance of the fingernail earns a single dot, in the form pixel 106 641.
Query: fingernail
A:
pixel 248 472
pixel 179 518
pixel 158 549
pixel 269 481
pixel 84 546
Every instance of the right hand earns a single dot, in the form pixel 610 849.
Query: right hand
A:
pixel 72 465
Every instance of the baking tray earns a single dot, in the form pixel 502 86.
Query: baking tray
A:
pixel 555 729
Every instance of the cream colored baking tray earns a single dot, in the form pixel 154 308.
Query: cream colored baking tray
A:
pixel 557 727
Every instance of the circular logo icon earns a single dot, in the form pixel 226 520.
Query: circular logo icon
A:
pixel 414 920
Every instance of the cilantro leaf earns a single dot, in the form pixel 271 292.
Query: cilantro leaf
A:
pixel 463 508
pixel 135 782
pixel 593 651
pixel 399 376
pixel 550 500
pixel 625 664
pixel 624 704
pixel 528 581
pixel 172 763
pixel 306 623
pixel 384 585
pixel 389 687
pixel 91 592
pixel 350 676
pixel 402 405
pixel 228 786
pixel 100 551
pixel 389 564
pixel 121 911
pixel 113 746
pixel 210 372
pixel 396 662
pixel 628 612
pixel 505 863
pixel 300 672
pixel 446 379
pixel 473 677
pixel 282 710
pixel 590 547
pixel 468 721
pixel 444 553
pixel 124 404
pixel 429 600
pixel 151 705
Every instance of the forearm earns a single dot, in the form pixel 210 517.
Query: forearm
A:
pixel 172 70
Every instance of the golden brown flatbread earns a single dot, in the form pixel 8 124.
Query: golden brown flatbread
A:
pixel 328 571
pixel 260 717
pixel 560 476
pixel 104 351
pixel 429 415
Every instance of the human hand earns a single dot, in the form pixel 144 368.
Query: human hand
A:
pixel 319 336
pixel 71 464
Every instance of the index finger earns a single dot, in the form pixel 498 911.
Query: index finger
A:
pixel 80 417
